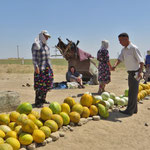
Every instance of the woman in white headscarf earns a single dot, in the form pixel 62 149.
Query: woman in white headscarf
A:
pixel 104 66
pixel 43 73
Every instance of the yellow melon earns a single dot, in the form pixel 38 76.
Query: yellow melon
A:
pixel 38 123
pixel 18 129
pixel 70 101
pixel 65 108
pixel 6 146
pixel 2 134
pixel 21 119
pixel 11 134
pixel 36 114
pixel 31 117
pixel 65 117
pixel 58 119
pixel 25 139
pixel 77 108
pixel 13 142
pixel 13 116
pixel 46 113
pixel 38 136
pixel 12 125
pixel 85 113
pixel 4 119
pixel 52 125
pixel 86 100
pixel 28 126
pixel 46 130
pixel 93 110
pixel 1 140
pixel 74 117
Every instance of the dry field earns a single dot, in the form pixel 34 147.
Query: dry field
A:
pixel 118 132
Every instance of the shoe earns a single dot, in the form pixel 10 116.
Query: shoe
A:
pixel 46 102
pixel 38 105
pixel 125 112
pixel 83 86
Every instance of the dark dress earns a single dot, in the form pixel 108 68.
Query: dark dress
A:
pixel 103 67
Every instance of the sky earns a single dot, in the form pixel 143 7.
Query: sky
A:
pixel 89 21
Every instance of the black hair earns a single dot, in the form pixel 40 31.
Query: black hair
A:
pixel 123 35
pixel 72 67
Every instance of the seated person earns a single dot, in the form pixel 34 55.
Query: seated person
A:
pixel 147 66
pixel 73 76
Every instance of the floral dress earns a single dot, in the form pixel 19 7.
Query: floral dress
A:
pixel 103 67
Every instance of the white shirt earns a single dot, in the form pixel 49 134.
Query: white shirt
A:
pixel 131 57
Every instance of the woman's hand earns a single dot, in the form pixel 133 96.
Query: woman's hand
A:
pixel 37 70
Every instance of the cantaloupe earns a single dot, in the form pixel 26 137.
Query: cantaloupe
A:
pixel 46 130
pixel 70 101
pixel 93 110
pixel 13 142
pixel 58 119
pixel 65 108
pixel 46 113
pixel 38 136
pixel 85 113
pixel 13 116
pixel 4 119
pixel 25 139
pixel 77 108
pixel 65 117
pixel 74 117
pixel 52 125
pixel 11 134
pixel 86 100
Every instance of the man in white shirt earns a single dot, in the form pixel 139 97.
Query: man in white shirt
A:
pixel 134 63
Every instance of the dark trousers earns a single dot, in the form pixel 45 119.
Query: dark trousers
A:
pixel 40 96
pixel 133 92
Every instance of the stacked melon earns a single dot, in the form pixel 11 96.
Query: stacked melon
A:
pixel 144 90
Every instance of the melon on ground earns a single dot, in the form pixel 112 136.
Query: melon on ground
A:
pixel 31 117
pixel 13 142
pixel 28 126
pixel 58 119
pixel 12 125
pixel 18 129
pixel 11 134
pixel 1 140
pixel 46 113
pixel 86 100
pixel 93 110
pixel 21 119
pixel 65 108
pixel 74 117
pixel 38 136
pixel 2 134
pixel 70 101
pixel 38 122
pixel 36 114
pixel 77 108
pixel 85 113
pixel 65 117
pixel 52 125
pixel 24 108
pixel 4 119
pixel 13 116
pixel 55 107
pixel 103 112
pixel 46 130
pixel 5 128
pixel 25 139
pixel 6 146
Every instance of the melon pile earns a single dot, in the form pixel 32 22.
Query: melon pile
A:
pixel 24 126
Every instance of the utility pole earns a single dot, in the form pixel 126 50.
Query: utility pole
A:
pixel 18 51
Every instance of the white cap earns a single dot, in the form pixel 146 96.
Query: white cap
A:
pixel 45 32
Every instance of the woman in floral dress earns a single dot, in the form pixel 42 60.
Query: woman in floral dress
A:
pixel 43 73
pixel 104 66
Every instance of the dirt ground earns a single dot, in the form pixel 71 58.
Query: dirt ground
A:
pixel 118 132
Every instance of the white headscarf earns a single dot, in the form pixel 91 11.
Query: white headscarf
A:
pixel 41 39
pixel 105 44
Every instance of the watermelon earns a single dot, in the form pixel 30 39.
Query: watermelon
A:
pixel 55 107
pixel 24 108
pixel 105 96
